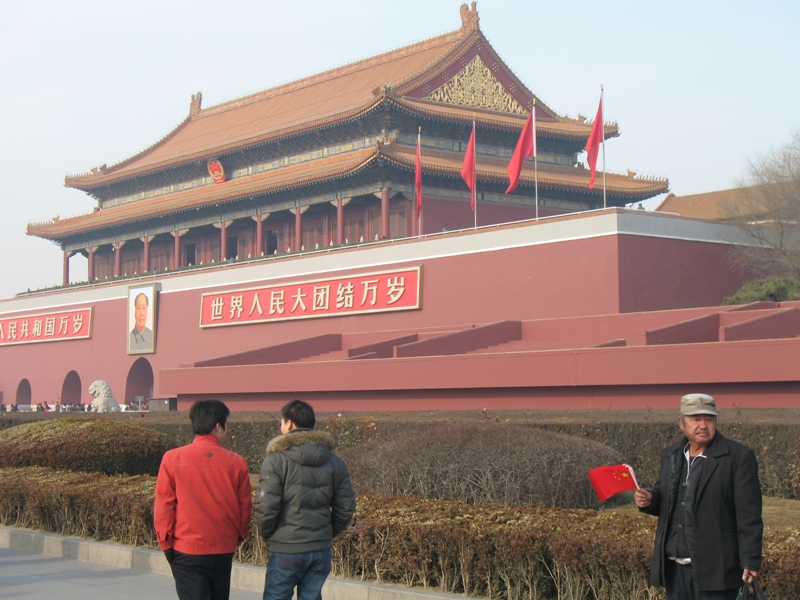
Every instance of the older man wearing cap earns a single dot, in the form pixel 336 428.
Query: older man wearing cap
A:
pixel 708 503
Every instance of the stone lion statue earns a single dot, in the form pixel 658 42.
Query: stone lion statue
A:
pixel 103 400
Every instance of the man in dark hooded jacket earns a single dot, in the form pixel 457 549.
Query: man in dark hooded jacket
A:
pixel 304 500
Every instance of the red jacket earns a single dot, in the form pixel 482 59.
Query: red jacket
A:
pixel 203 501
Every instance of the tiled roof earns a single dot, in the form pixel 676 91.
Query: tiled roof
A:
pixel 440 162
pixel 290 176
pixel 560 127
pixel 549 176
pixel 721 205
pixel 333 96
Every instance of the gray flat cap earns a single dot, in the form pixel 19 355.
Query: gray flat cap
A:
pixel 698 404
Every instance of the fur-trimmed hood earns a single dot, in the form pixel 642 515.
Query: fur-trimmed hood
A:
pixel 305 446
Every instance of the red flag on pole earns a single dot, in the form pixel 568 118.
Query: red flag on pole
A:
pixel 526 147
pixel 612 479
pixel 468 168
pixel 418 175
pixel 593 143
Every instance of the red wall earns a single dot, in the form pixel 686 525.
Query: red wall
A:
pixel 592 276
pixel 655 397
pixel 659 274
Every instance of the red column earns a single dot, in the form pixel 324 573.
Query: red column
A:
pixel 223 241
pixel 146 257
pixel 339 222
pixel 259 235
pixel 326 227
pixel 298 229
pixel 384 214
pixel 90 257
pixel 176 254
pixel 117 258
pixel 65 268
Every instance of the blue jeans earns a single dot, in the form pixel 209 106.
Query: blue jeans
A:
pixel 306 571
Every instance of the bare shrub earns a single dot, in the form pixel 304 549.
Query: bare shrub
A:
pixel 485 462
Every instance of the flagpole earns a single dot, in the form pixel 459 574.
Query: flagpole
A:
pixel 603 130
pixel 535 160
pixel 419 204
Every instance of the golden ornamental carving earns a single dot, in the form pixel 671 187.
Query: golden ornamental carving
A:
pixel 475 85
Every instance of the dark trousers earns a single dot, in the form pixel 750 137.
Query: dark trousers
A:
pixel 680 585
pixel 202 576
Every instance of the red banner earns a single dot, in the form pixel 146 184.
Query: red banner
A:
pixel 50 327
pixel 358 294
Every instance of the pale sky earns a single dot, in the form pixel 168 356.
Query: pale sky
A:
pixel 698 88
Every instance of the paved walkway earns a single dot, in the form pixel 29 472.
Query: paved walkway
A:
pixel 41 566
pixel 41 577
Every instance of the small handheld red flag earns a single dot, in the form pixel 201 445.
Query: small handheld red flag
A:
pixel 468 168
pixel 612 479
pixel 593 143
pixel 526 147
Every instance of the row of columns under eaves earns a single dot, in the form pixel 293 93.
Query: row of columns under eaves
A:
pixel 222 225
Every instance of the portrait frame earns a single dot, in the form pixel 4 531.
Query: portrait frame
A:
pixel 142 340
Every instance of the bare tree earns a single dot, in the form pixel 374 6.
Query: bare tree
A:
pixel 767 211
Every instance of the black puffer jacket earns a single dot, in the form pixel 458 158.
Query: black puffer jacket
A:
pixel 305 497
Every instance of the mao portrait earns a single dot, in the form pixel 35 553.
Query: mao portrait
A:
pixel 141 319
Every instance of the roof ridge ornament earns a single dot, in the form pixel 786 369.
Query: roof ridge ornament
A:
pixel 469 18
pixel 386 90
pixel 194 107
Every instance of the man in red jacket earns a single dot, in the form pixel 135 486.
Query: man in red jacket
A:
pixel 203 506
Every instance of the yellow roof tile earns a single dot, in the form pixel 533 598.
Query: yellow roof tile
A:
pixel 329 97
pixel 721 205
pixel 289 176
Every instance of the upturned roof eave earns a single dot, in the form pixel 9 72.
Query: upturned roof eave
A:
pixel 75 181
pixel 495 120
pixel 41 230
pixel 328 121
pixel 447 41
pixel 644 189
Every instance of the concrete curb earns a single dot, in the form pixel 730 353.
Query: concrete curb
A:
pixel 245 577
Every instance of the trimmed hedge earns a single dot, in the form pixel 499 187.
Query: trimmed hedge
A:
pixel 638 435
pixel 506 463
pixel 88 444
pixel 88 505
pixel 776 445
pixel 480 550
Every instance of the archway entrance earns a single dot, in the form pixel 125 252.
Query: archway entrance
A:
pixel 23 393
pixel 71 389
pixel 139 383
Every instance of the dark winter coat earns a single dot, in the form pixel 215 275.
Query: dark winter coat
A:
pixel 725 535
pixel 304 497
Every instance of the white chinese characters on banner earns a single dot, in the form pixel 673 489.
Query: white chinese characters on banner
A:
pixel 363 293
pixel 50 327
